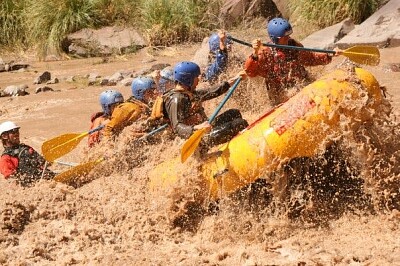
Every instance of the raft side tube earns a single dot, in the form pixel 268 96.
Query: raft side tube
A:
pixel 297 128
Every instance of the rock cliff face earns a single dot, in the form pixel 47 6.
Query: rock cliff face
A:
pixel 104 41
pixel 235 11
pixel 381 29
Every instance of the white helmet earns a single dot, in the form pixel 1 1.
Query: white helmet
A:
pixel 7 126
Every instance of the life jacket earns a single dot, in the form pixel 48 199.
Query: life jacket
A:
pixel 145 107
pixel 30 164
pixel 287 69
pixel 152 117
pixel 196 113
pixel 157 111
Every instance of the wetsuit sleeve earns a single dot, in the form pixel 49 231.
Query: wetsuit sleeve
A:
pixel 8 165
pixel 123 115
pixel 215 68
pixel 213 92
pixel 177 107
pixel 251 66
pixel 259 66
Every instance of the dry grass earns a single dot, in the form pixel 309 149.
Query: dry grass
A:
pixel 12 27
pixel 170 22
pixel 325 13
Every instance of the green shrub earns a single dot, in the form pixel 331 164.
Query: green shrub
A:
pixel 12 27
pixel 51 20
pixel 44 24
pixel 328 12
pixel 169 21
pixel 110 12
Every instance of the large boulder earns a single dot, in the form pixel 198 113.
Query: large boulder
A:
pixel 201 55
pixel 326 38
pixel 14 90
pixel 234 11
pixel 104 41
pixel 12 66
pixel 381 29
pixel 283 7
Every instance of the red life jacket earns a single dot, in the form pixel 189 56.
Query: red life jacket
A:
pixel 30 164
pixel 286 66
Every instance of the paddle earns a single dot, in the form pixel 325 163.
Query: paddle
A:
pixel 366 55
pixel 191 144
pixel 79 170
pixel 55 148
pixel 65 163
pixel 85 168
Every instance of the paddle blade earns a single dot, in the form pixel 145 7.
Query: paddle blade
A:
pixel 57 147
pixel 70 175
pixel 191 144
pixel 366 55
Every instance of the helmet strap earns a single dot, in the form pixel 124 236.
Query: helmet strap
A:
pixel 180 87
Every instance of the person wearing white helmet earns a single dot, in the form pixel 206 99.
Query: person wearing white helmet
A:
pixel 18 160
pixel 282 68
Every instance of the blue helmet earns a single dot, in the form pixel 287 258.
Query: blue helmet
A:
pixel 213 42
pixel 108 98
pixel 186 72
pixel 277 28
pixel 140 85
pixel 167 77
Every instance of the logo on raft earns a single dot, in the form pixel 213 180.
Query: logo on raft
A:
pixel 288 117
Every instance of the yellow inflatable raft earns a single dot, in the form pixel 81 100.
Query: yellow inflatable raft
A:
pixel 294 129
